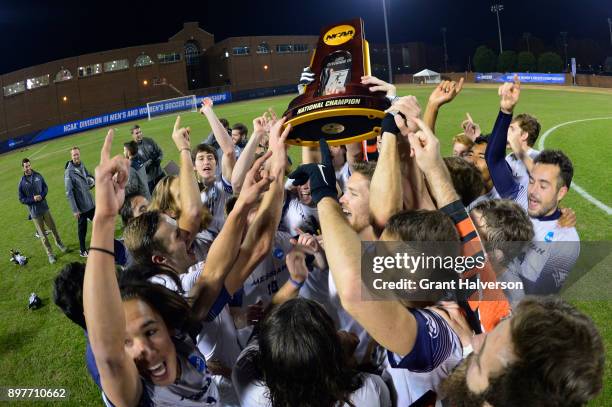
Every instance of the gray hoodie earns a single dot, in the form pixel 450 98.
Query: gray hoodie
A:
pixel 77 188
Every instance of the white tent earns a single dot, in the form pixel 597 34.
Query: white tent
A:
pixel 426 76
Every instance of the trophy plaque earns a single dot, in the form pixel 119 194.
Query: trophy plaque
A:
pixel 336 106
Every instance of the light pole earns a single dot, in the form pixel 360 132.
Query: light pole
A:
pixel 564 36
pixel 496 8
pixel 445 50
pixel 610 26
pixel 388 46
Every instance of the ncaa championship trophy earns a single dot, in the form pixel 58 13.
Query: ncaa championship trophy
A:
pixel 336 106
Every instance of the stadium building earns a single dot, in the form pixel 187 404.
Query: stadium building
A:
pixel 69 90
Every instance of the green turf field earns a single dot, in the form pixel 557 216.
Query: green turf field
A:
pixel 44 349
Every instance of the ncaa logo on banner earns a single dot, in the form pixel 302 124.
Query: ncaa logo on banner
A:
pixel 339 35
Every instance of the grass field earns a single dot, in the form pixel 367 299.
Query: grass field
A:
pixel 43 349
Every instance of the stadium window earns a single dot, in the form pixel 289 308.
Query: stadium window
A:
pixel 284 48
pixel 169 58
pixel 240 50
pixel 192 54
pixel 90 70
pixel 300 47
pixel 143 60
pixel 63 75
pixel 14 88
pixel 37 82
pixel 118 65
pixel 263 48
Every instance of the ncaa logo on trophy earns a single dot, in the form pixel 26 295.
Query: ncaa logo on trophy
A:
pixel 336 106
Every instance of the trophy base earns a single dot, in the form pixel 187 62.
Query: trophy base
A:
pixel 338 126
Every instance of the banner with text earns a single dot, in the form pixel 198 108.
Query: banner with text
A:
pixel 548 78
pixel 95 122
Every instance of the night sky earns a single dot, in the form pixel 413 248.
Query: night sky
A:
pixel 33 32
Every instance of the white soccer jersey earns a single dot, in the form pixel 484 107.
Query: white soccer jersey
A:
pixel 215 197
pixel 253 392
pixel 193 388
pixel 437 351
pixel 550 257
pixel 267 278
pixel 187 279
pixel 519 171
pixel 489 196
pixel 298 215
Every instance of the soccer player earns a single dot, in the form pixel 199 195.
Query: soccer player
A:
pixel 522 135
pixel 276 369
pixel 555 248
pixel 216 188
pixel 547 354
pixel 461 145
pixel 33 193
pixel 78 183
pixel 150 155
pixel 142 334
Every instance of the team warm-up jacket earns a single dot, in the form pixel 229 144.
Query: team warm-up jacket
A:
pixel 151 155
pixel 77 188
pixel 29 186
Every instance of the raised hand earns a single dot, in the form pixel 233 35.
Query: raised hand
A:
pixel 425 147
pixel 256 182
pixel 306 242
pixel 296 265
pixel 270 118
pixel 180 135
pixel 409 107
pixel 111 178
pixel 207 104
pixel 259 124
pixel 276 144
pixel 378 85
pixel 471 129
pixel 322 176
pixel 445 92
pixel 509 94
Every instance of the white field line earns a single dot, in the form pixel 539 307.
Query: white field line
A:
pixel 39 150
pixel 575 186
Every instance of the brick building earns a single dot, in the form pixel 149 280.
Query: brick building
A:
pixel 190 62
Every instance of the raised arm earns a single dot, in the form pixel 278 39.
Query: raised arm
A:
pixel 225 248
pixel 444 93
pixel 224 139
pixel 298 273
pixel 426 152
pixel 386 181
pixel 104 314
pixel 495 154
pixel 247 157
pixel 382 319
pixel 189 195
pixel 258 240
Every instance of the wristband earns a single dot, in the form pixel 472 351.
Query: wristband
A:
pixel 297 284
pixel 99 249
pixel 388 124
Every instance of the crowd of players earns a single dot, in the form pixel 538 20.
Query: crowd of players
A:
pixel 240 280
